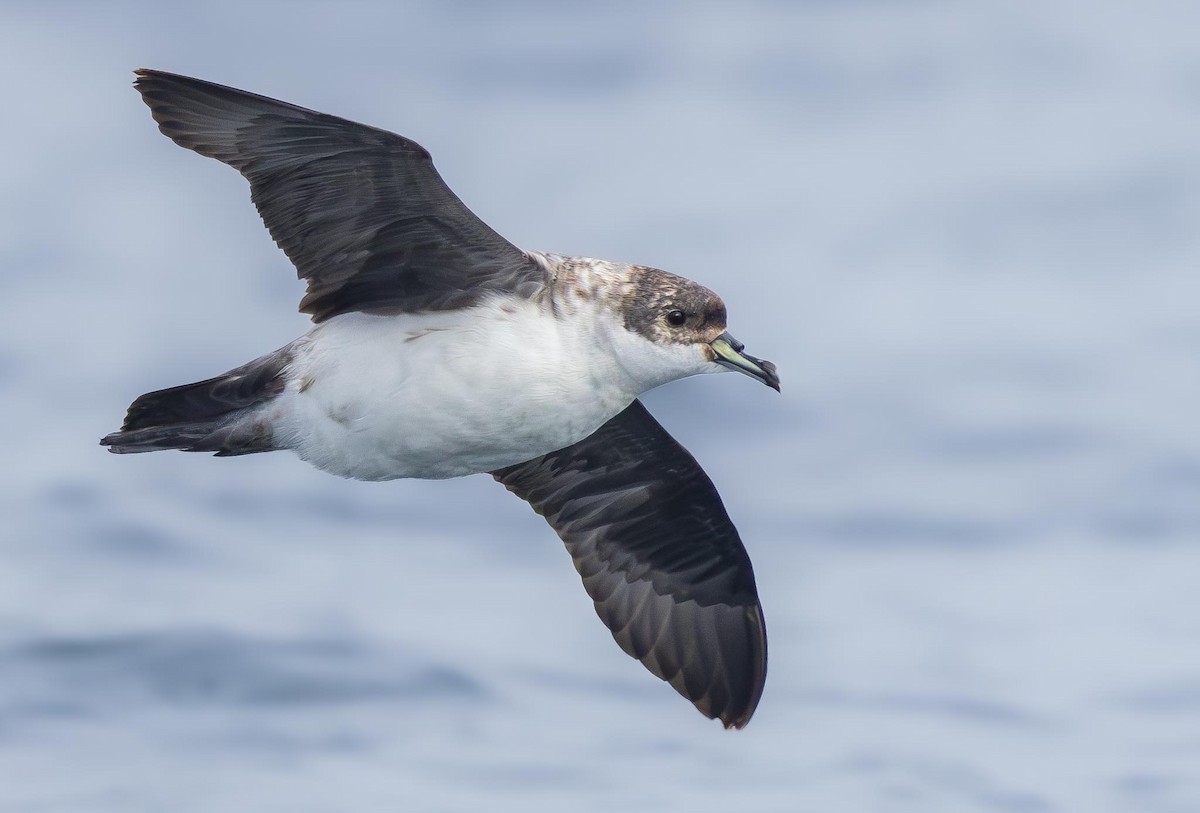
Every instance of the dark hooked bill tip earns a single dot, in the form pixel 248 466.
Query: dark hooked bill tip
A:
pixel 729 354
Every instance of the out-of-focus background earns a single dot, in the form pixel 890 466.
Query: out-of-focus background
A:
pixel 966 232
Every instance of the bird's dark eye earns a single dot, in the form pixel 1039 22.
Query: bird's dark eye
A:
pixel 676 318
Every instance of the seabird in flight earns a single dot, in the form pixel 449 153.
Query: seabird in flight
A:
pixel 440 349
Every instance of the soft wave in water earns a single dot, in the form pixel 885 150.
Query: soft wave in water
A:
pixel 209 668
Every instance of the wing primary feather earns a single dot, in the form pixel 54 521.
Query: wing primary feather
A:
pixel 659 557
pixel 361 212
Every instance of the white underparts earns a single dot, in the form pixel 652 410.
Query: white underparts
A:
pixel 450 393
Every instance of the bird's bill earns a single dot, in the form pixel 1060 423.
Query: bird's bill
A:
pixel 729 354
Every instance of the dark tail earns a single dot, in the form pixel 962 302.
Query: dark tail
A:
pixel 219 415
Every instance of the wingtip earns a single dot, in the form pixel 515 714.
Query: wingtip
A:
pixel 145 78
pixel 738 717
pixel 150 76
pixel 738 721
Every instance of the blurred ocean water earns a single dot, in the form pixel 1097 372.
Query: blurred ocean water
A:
pixel 965 232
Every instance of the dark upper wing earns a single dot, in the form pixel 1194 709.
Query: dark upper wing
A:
pixel 361 212
pixel 659 557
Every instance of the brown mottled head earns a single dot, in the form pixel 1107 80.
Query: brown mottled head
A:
pixel 668 327
pixel 664 307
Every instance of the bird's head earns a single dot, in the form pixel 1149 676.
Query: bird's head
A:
pixel 679 327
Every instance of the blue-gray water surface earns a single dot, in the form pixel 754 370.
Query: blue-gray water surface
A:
pixel 967 233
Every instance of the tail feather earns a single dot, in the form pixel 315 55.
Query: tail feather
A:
pixel 221 415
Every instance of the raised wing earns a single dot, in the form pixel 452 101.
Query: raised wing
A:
pixel 361 212
pixel 659 557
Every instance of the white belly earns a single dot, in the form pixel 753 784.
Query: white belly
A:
pixel 443 395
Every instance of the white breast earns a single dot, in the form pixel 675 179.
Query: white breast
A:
pixel 449 393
